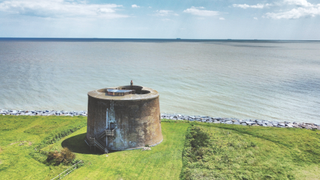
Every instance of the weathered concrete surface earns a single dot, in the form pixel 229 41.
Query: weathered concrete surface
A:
pixel 100 94
pixel 136 118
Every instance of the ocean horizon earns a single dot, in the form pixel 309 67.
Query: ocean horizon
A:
pixel 148 39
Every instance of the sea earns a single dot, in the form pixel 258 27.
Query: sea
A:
pixel 244 79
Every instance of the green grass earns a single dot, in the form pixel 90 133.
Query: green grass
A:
pixel 21 135
pixel 215 151
pixel 244 152
pixel 162 162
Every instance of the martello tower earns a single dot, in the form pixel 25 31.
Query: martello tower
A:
pixel 124 117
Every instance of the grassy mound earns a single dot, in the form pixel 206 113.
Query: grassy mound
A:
pixel 240 152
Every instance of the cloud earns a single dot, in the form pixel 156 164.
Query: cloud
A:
pixel 304 3
pixel 304 9
pixel 199 11
pixel 135 6
pixel 255 18
pixel 165 13
pixel 60 9
pixel 222 19
pixel 296 13
pixel 258 6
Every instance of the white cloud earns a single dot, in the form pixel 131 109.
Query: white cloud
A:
pixel 222 19
pixel 165 13
pixel 304 9
pixel 257 6
pixel 304 3
pixel 135 6
pixel 255 18
pixel 199 11
pixel 60 9
pixel 296 13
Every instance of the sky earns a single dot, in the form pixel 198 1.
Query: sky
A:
pixel 185 19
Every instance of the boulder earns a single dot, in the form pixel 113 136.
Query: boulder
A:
pixel 303 125
pixel 308 127
pixel 250 123
pixel 282 125
pixel 269 124
pixel 289 125
pixel 226 122
pixel 236 122
pixel 296 126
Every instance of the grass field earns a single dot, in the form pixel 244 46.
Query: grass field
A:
pixel 216 151
pixel 162 162
pixel 20 135
pixel 220 151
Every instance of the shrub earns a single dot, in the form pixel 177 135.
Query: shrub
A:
pixel 56 158
pixel 198 137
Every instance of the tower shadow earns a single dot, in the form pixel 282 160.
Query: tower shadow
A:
pixel 76 144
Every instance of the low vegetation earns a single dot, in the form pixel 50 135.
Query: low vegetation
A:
pixel 242 152
pixel 36 148
pixel 21 137
pixel 65 156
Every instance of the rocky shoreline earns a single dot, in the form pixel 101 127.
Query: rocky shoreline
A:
pixel 207 119
pixel 42 113
pixel 244 122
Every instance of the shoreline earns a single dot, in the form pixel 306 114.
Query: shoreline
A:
pixel 243 122
pixel 41 113
pixel 206 119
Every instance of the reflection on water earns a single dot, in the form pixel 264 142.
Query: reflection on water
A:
pixel 260 80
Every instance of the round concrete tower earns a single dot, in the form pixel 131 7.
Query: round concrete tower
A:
pixel 124 117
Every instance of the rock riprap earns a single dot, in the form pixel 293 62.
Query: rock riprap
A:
pixel 42 113
pixel 244 122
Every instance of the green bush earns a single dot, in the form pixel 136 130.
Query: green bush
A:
pixel 56 158
pixel 198 137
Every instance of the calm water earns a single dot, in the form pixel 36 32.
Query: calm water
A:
pixel 243 79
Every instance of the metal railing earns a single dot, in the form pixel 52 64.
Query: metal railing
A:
pixel 98 145
pixel 109 132
pixel 68 171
